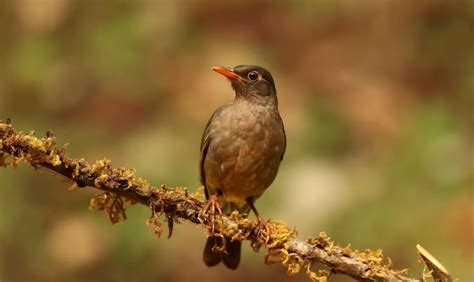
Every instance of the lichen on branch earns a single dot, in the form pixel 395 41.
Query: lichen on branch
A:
pixel 175 205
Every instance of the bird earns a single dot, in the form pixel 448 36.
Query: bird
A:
pixel 241 149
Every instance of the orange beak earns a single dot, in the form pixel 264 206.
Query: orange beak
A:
pixel 229 73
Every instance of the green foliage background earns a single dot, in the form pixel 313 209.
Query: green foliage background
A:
pixel 377 98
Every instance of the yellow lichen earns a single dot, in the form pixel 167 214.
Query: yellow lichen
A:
pixel 322 275
pixel 73 186
pixel 122 185
pixel 111 204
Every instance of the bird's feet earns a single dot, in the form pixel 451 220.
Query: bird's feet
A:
pixel 210 211
pixel 261 221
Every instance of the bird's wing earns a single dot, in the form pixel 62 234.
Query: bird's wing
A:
pixel 205 142
pixel 284 140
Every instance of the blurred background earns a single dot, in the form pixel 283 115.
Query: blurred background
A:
pixel 377 99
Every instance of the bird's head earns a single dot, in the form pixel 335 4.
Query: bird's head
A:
pixel 251 82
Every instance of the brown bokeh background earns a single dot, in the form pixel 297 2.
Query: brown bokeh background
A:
pixel 377 99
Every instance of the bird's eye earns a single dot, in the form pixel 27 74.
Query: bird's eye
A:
pixel 253 75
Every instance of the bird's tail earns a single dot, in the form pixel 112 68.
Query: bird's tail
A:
pixel 231 256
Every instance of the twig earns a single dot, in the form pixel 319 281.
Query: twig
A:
pixel 175 204
pixel 438 271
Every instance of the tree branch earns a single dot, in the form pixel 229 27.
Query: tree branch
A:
pixel 176 204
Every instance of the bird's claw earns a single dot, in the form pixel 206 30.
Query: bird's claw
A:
pixel 210 211
pixel 262 223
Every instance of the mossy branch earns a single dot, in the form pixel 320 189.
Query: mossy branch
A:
pixel 176 205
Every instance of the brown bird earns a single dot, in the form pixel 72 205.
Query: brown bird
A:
pixel 241 149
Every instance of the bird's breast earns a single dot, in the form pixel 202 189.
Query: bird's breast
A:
pixel 245 151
